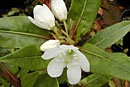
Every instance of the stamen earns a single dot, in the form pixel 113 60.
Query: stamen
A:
pixel 70 52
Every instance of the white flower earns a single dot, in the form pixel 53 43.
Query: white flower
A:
pixel 43 17
pixel 49 44
pixel 59 9
pixel 66 55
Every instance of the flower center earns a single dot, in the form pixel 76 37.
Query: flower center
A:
pixel 70 52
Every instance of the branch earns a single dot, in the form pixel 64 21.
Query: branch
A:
pixel 15 82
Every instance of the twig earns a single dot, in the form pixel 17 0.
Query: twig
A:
pixel 9 79
pixel 45 37
pixel 98 26
pixel 10 74
pixel 54 36
pixel 84 85
pixel 72 32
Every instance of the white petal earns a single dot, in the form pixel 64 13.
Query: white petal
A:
pixel 50 53
pixel 49 17
pixel 84 63
pixel 49 44
pixel 69 47
pixel 59 9
pixel 37 23
pixel 55 68
pixel 42 13
pixel 74 61
pixel 43 17
pixel 74 74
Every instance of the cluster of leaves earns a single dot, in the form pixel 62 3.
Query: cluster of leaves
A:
pixel 26 62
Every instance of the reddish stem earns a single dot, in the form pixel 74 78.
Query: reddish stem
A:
pixel 84 85
pixel 98 25
pixel 9 79
pixel 45 37
pixel 10 74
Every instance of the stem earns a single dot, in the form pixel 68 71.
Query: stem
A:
pixel 9 79
pixel 10 74
pixel 54 30
pixel 79 20
pixel 84 85
pixel 57 82
pixel 71 33
pixel 54 36
pixel 68 39
pixel 27 34
pixel 58 29
pixel 64 33
pixel 66 29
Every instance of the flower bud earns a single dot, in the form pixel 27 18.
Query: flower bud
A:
pixel 59 9
pixel 43 17
pixel 49 44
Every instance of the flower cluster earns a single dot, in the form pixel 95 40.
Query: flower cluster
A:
pixel 65 56
pixel 43 16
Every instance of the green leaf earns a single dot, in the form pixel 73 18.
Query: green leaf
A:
pixel 84 12
pixel 44 80
pixel 110 35
pixel 28 58
pixel 18 31
pixel 110 64
pixel 94 80
pixel 29 79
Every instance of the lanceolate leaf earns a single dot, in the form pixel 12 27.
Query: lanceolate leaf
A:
pixel 109 64
pixel 110 35
pixel 84 12
pixel 18 31
pixel 27 58
pixel 94 80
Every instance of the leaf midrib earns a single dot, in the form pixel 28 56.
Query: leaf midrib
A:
pixel 21 33
pixel 90 80
pixel 81 15
pixel 33 57
pixel 109 36
pixel 107 60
